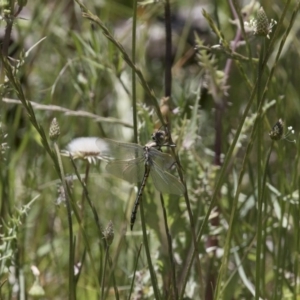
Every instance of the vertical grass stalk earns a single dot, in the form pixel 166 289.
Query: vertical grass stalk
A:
pixel 170 249
pixel 133 78
pixel 72 287
pixel 259 227
pixel 104 272
pixel 148 255
pixel 134 272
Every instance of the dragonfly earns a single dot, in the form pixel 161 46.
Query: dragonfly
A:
pixel 135 164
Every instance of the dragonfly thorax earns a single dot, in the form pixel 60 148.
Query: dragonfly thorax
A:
pixel 148 159
pixel 152 145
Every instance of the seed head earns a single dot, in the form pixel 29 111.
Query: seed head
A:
pixel 108 233
pixel 260 26
pixel 277 130
pixel 54 131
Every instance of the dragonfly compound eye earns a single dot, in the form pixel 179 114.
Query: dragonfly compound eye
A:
pixel 159 137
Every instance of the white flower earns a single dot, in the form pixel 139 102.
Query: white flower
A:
pixel 289 132
pixel 83 148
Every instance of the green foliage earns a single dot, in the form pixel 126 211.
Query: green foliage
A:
pixel 65 222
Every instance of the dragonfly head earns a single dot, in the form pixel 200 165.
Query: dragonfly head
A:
pixel 159 137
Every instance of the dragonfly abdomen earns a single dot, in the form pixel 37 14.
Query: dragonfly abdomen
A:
pixel 139 196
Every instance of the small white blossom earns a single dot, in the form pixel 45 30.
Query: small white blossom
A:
pixel 77 268
pixel 289 132
pixel 83 148
pixel 35 271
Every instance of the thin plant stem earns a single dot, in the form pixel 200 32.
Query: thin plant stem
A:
pixel 113 262
pixel 232 218
pixel 168 50
pixel 104 272
pixel 218 186
pixel 235 8
pixel 281 45
pixel 54 156
pixel 82 260
pixel 185 272
pixel 277 292
pixel 6 39
pixel 297 244
pixel 135 269
pixel 27 105
pixel 91 204
pixel 281 239
pixel 224 264
pixel 279 27
pixel 263 204
pixel 134 104
pixel 170 249
pixel 186 267
pixel 111 274
pixel 7 34
pixel 148 255
pixel 168 93
pixel 97 221
pixel 82 219
pixel 219 114
pixel 87 14
pixel 85 181
pixel 72 286
pixel 96 218
pixel 258 287
pixel 69 112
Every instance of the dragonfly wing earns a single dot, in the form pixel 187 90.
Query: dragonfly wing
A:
pixel 164 160
pixel 129 170
pixel 111 149
pixel 165 182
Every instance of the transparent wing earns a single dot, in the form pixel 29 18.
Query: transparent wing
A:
pixel 129 170
pixel 111 149
pixel 163 160
pixel 165 182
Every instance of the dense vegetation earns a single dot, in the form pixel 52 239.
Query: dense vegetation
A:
pixel 222 81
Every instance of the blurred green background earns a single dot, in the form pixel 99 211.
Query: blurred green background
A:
pixel 76 74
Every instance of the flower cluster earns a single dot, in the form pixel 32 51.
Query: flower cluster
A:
pixel 260 26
